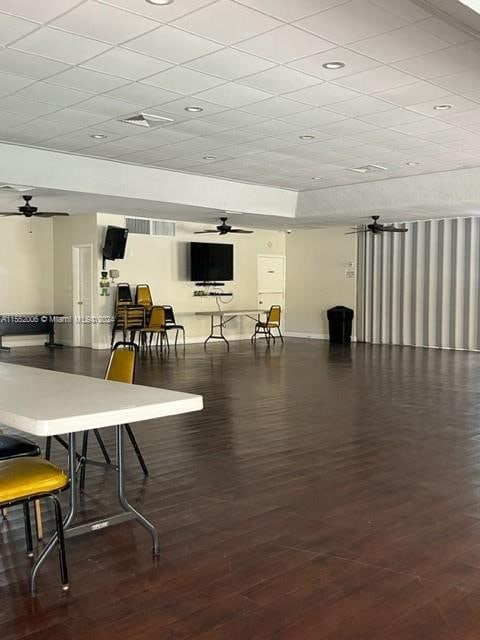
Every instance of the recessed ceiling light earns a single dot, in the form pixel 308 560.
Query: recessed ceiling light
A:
pixel 194 109
pixel 98 136
pixel 333 65
pixel 442 107
pixel 412 164
pixel 306 137
pixel 316 179
pixel 209 157
pixel 159 2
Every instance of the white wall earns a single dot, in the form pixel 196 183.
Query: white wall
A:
pixel 26 270
pixel 317 261
pixel 161 262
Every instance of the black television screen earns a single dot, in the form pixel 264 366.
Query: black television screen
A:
pixel 210 262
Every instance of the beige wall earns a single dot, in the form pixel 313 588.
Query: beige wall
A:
pixel 26 270
pixel 161 262
pixel 317 260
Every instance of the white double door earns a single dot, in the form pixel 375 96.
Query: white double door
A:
pixel 82 292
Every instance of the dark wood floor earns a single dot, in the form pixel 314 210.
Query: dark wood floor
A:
pixel 323 494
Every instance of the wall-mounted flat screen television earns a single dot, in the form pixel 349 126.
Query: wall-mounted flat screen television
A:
pixel 210 261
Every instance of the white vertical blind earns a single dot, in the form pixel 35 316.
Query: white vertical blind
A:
pixel 421 288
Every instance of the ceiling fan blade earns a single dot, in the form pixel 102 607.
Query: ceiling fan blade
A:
pixel 351 233
pixel 4 214
pixel 49 214
pixel 239 231
pixel 394 230
pixel 207 231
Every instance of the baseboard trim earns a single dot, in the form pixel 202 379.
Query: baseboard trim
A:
pixel 310 336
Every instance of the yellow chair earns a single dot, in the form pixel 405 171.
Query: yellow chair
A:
pixel 143 296
pixel 121 368
pixel 23 480
pixel 123 295
pixel 272 322
pixel 129 318
pixel 156 325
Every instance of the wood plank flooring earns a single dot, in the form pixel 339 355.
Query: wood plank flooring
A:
pixel 323 494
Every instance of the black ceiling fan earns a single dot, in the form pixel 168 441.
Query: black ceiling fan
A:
pixel 224 228
pixel 376 228
pixel 29 211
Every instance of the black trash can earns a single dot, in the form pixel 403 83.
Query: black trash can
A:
pixel 340 324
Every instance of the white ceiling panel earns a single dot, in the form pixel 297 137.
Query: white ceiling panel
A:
pixel 270 127
pixel 422 126
pixel 313 118
pixel 227 22
pixel 375 80
pixel 53 94
pixel 103 22
pixel 279 80
pixel 407 9
pixel 58 45
pixel 411 93
pixel 352 21
pixel 177 108
pixel 322 94
pixel 442 63
pixel 165 13
pixel 183 80
pixel 364 105
pixel 144 94
pixel 172 45
pixel 288 10
pixel 445 31
pixel 354 63
pixel 28 65
pixel 37 11
pixel 16 104
pixel 464 83
pixel 458 105
pixel 230 64
pixel 91 81
pixel 109 107
pixel 392 117
pixel 126 64
pixel 233 95
pixel 75 118
pixel 10 83
pixel 12 28
pixel 285 44
pixel 400 44
pixel 276 107
pixel 235 118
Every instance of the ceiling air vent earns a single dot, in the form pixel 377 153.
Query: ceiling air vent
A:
pixel 138 225
pixel 146 120
pixel 162 228
pixel 368 168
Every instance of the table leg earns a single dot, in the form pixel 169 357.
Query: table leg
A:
pixel 220 335
pixel 72 473
pixel 120 448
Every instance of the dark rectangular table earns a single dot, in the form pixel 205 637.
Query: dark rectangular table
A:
pixel 27 325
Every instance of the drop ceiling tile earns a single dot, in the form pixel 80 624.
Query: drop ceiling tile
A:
pixel 352 21
pixel 427 125
pixel 10 83
pixel 287 10
pixel 16 62
pixel 235 118
pixel 233 95
pixel 198 127
pixel 21 105
pixel 285 44
pixel 322 94
pixel 164 13
pixel 139 93
pixel 406 9
pixel 53 94
pixel 12 28
pixel 279 80
pixel 172 45
pixel 347 127
pixel 177 108
pixel 77 119
pixel 109 107
pixel 42 129
pixel 354 63
pixel 465 83
pixel 227 22
pixel 411 93
pixel 78 78
pixel 458 103
pixel 13 119
pixel 392 117
pixel 313 118
pixel 183 80
pixel 56 44
pixel 230 64
pixel 37 11
pixel 70 142
pixel 456 59
pixel 228 138
pixel 276 107
pixel 361 106
pixel 375 80
pixel 464 119
pixel 103 22
pixel 269 127
pixel 399 44
pixel 157 137
pixel 445 31
pixel 126 64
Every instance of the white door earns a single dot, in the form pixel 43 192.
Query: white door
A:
pixel 82 295
pixel 270 281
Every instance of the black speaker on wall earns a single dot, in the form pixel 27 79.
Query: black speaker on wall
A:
pixel 115 243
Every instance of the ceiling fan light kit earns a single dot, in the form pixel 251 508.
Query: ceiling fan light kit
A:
pixel 224 228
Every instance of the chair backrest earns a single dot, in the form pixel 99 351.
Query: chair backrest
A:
pixel 274 314
pixel 130 317
pixel 143 295
pixel 124 295
pixel 157 317
pixel 121 367
pixel 169 314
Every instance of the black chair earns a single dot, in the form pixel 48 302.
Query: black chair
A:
pixel 171 324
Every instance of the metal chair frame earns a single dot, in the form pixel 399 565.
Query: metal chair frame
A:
pixel 265 328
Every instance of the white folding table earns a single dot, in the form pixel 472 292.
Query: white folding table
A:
pixel 48 403
pixel 224 317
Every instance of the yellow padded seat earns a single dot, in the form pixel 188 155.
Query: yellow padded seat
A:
pixel 121 367
pixel 24 477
